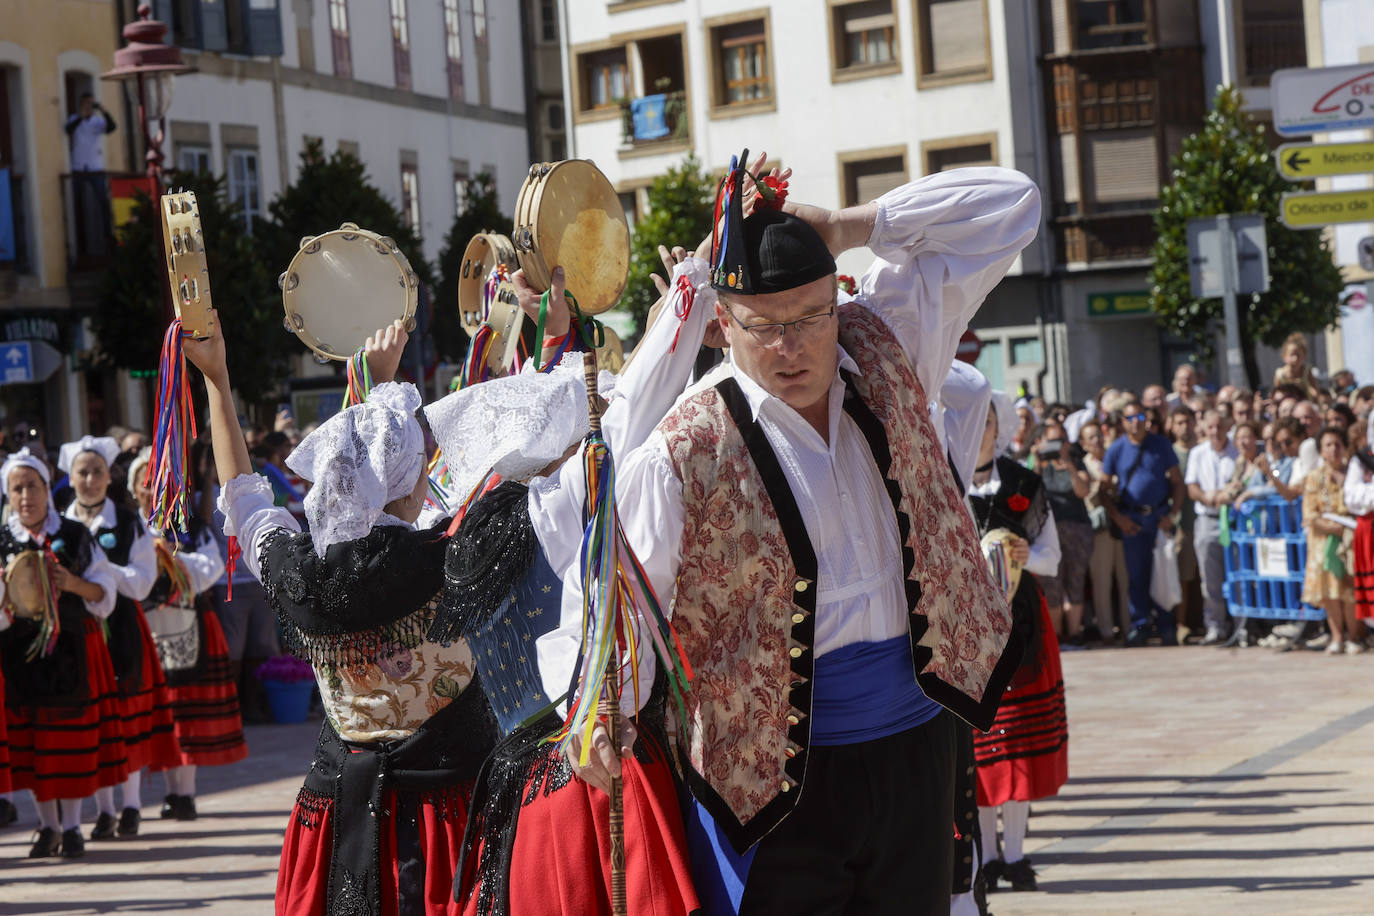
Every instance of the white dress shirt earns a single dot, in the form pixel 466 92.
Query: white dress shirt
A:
pixel 943 242
pixel 1359 489
pixel 87 142
pixel 135 579
pixel 1211 470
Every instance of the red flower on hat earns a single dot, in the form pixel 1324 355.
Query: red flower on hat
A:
pixel 847 284
pixel 772 192
pixel 1018 503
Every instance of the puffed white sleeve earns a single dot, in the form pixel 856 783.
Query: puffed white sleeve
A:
pixel 204 565
pixel 964 399
pixel 1044 550
pixel 943 242
pixel 135 579
pixel 250 514
pixel 652 516
pixel 1359 489
pixel 101 572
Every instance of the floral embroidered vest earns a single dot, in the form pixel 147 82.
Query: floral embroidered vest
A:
pixel 746 591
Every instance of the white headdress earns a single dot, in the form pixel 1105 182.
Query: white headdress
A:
pixel 359 460
pixel 138 467
pixel 103 446
pixel 27 459
pixel 515 426
pixel 1006 421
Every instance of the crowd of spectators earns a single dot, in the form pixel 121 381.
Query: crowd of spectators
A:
pixel 1166 476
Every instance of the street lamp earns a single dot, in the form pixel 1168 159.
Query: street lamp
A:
pixel 146 66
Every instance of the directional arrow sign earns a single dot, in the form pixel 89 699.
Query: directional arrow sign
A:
pixel 1301 161
pixel 16 363
pixel 1309 210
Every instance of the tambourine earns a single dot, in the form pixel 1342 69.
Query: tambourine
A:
pixel 186 268
pixel 342 286
pixel 27 593
pixel 610 356
pixel 568 215
pixel 487 297
pixel 997 550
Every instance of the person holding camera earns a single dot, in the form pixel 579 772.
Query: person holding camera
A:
pixel 1067 483
pixel 86 130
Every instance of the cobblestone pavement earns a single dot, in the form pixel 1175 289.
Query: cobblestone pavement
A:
pixel 1202 781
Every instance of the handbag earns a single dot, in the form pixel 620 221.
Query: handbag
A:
pixel 179 637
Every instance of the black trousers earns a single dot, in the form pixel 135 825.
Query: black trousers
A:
pixel 872 834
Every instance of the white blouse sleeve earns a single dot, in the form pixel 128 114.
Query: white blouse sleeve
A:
pixel 204 565
pixel 964 399
pixel 1044 550
pixel 101 572
pixel 1359 489
pixel 135 579
pixel 943 242
pixel 651 516
pixel 250 514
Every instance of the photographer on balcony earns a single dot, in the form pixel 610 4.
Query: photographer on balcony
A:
pixel 86 132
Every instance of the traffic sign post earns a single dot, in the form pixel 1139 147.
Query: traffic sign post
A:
pixel 1317 209
pixel 1302 161
pixel 1314 100
pixel 1229 254
pixel 1366 250
pixel 16 363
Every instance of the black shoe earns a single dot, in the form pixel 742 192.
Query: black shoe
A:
pixel 49 843
pixel 8 812
pixel 169 807
pixel 73 846
pixel 1134 639
pixel 992 872
pixel 185 808
pixel 1169 638
pixel 104 827
pixel 129 819
pixel 1021 876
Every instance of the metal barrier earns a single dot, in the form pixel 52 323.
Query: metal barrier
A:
pixel 1267 561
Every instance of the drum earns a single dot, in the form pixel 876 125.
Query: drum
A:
pixel 487 297
pixel 344 285
pixel 569 216
pixel 28 585
pixel 186 268
pixel 1006 572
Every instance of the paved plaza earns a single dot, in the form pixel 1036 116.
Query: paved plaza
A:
pixel 1201 781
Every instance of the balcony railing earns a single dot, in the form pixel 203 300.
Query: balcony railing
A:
pixel 1273 45
pixel 660 118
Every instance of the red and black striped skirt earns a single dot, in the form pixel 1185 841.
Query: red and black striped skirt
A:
pixel 1364 568
pixel 1025 755
pixel 5 785
pixel 70 751
pixel 145 703
pixel 205 712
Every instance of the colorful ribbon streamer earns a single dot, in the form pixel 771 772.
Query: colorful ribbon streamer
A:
pixel 174 431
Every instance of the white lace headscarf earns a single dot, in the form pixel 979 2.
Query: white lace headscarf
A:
pixel 27 459
pixel 104 446
pixel 359 460
pixel 515 426
pixel 1007 421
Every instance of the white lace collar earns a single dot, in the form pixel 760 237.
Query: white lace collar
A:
pixel 23 535
pixel 105 519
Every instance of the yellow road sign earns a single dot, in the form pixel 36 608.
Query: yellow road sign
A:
pixel 1313 210
pixel 1301 161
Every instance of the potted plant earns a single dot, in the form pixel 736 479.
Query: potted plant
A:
pixel 289 683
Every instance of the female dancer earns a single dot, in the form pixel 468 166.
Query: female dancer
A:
pixel 62 716
pixel 1025 755
pixel 205 700
pixel 145 704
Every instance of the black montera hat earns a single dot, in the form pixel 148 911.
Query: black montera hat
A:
pixel 770 252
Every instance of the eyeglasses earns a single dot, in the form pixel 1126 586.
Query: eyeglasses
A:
pixel 769 333
pixel 1136 417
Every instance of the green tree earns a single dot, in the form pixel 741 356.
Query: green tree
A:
pixel 131 322
pixel 481 213
pixel 1228 167
pixel 680 203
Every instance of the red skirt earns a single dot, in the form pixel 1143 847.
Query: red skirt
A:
pixel 1025 755
pixel 1364 568
pixel 561 861
pixel 303 876
pixel 146 706
pixel 205 713
pixel 69 752
pixel 4 742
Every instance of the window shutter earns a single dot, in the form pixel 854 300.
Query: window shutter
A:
pixel 214 31
pixel 1125 165
pixel 871 187
pixel 958 36
pixel 264 28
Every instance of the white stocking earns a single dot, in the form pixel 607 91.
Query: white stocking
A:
pixel 1015 815
pixel 47 813
pixel 987 824
pixel 133 795
pixel 104 800
pixel 71 813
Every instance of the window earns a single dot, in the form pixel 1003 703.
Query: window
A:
pixel 952 40
pixel 990 363
pixel 479 20
pixel 864 34
pixel 1111 23
pixel 400 42
pixel 193 158
pixel 555 116
pixel 1027 351
pixel 453 40
pixel 460 186
pixel 548 20
pixel 338 31
pixel 869 175
pixel 943 155
pixel 1122 167
pixel 604 79
pixel 629 202
pixel 244 189
pixel 350 148
pixel 410 195
pixel 742 65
